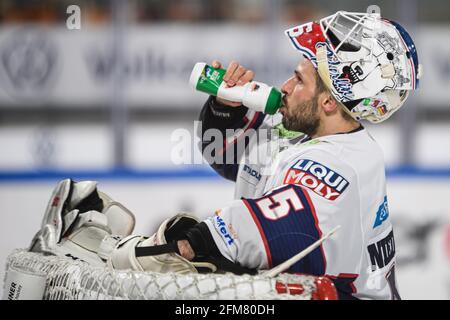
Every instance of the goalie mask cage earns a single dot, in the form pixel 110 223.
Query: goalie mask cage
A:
pixel 68 279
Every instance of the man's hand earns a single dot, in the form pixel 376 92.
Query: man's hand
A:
pixel 185 250
pixel 236 75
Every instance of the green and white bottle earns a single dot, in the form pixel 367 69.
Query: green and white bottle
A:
pixel 254 95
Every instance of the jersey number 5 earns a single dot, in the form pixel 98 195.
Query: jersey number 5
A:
pixel 278 204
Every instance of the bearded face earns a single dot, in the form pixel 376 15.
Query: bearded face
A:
pixel 301 99
pixel 302 117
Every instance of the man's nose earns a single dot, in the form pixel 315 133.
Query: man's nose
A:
pixel 286 88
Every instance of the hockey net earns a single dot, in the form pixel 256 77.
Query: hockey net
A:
pixel 67 279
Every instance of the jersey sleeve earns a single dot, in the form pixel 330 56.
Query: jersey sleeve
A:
pixel 264 232
pixel 219 117
pixel 312 195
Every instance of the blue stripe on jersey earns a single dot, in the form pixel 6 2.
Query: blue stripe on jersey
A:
pixel 288 235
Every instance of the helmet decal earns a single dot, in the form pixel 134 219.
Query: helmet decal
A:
pixel 305 37
pixel 340 82
pixel 368 63
pixel 412 51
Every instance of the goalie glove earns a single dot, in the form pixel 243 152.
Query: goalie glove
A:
pixel 77 218
pixel 158 253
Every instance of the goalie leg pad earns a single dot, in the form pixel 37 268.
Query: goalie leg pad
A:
pixel 83 243
pixel 63 214
pixel 49 235
pixel 121 221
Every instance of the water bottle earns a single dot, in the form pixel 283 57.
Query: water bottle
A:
pixel 254 95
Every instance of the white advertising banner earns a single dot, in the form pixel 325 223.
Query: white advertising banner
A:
pixel 78 67
pixel 60 67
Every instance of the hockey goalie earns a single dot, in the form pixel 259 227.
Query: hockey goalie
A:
pixel 84 224
pixel 355 66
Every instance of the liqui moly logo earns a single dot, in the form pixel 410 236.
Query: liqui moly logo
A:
pixel 318 178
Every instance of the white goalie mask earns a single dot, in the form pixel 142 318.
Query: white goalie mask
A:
pixel 369 63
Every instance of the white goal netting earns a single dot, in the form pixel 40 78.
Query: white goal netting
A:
pixel 67 279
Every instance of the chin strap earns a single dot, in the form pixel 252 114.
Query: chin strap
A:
pixel 322 66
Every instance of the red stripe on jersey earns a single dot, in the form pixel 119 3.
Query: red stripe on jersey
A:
pixel 261 232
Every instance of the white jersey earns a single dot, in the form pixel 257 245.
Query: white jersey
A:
pixel 309 188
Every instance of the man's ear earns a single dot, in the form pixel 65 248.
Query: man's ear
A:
pixel 329 104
